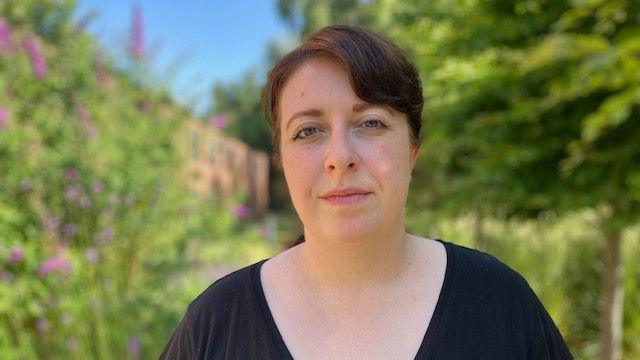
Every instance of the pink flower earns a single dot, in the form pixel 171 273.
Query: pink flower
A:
pixel 6 43
pixel 59 264
pixel 71 175
pixel 38 62
pixel 90 132
pixel 7 277
pixel 84 202
pixel 92 255
pixel 97 187
pixel 51 222
pixel 137 34
pixel 66 319
pixel 104 237
pixel 219 122
pixel 4 118
pixel 16 255
pixel 82 114
pixel 242 212
pixel 42 325
pixel 72 193
pixel 134 347
pixel 72 343
pixel 70 231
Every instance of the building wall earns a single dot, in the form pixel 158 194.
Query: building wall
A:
pixel 222 167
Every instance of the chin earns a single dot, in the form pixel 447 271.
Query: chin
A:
pixel 354 230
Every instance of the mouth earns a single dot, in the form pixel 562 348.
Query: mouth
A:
pixel 346 196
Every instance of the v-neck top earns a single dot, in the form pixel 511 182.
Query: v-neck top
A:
pixel 485 310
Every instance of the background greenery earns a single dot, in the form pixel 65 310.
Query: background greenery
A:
pixel 530 152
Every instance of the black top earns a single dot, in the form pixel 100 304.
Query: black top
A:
pixel 485 311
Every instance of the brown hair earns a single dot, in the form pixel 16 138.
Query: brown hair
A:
pixel 380 73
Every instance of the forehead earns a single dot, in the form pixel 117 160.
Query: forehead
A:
pixel 316 79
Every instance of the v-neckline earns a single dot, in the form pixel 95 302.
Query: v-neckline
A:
pixel 425 345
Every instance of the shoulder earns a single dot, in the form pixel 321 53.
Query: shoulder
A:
pixel 481 270
pixel 493 299
pixel 205 324
pixel 235 287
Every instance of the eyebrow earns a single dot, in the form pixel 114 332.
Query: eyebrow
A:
pixel 357 108
pixel 303 113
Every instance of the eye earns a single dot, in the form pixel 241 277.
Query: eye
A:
pixel 305 133
pixel 373 124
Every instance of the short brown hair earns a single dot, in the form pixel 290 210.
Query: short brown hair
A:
pixel 380 73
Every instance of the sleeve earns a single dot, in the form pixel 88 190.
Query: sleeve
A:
pixel 180 345
pixel 548 342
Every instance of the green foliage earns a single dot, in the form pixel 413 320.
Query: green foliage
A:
pixel 306 16
pixel 241 102
pixel 95 221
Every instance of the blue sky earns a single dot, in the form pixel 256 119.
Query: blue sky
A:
pixel 210 40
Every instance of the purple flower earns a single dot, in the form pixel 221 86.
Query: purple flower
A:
pixel 38 62
pixel 51 222
pixel 84 202
pixel 137 34
pixel 6 43
pixel 241 212
pixel 92 255
pixel 134 347
pixel 97 187
pixel 59 264
pixel 66 319
pixel 16 255
pixel 219 122
pixel 42 325
pixel 71 175
pixel 26 185
pixel 72 343
pixel 72 193
pixel 4 117
pixel 7 277
pixel 70 231
pixel 82 114
pixel 90 131
pixel 104 237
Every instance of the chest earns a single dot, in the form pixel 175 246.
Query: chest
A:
pixel 377 325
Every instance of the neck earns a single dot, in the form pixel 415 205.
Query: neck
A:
pixel 369 260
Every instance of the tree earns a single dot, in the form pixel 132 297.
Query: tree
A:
pixel 240 101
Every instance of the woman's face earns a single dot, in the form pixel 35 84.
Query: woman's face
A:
pixel 347 163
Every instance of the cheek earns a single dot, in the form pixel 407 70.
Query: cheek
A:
pixel 299 169
pixel 390 162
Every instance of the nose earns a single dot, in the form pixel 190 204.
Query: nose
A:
pixel 340 153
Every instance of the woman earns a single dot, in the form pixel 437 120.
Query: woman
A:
pixel 346 107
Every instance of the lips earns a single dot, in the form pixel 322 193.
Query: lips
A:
pixel 345 196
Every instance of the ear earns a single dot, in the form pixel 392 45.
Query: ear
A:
pixel 276 160
pixel 415 150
